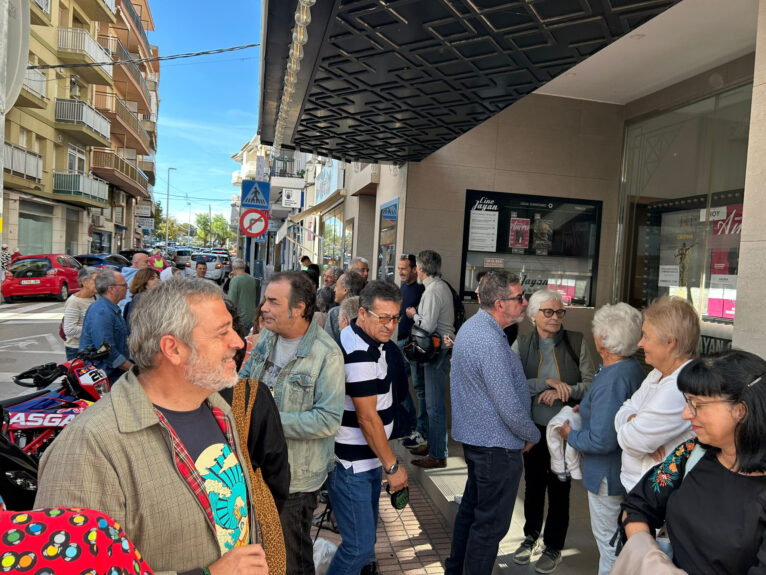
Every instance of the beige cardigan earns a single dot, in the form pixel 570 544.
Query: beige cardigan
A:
pixel 116 458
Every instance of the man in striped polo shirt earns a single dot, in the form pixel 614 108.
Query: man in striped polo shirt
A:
pixel 362 451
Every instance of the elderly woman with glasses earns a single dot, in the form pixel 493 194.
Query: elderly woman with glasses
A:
pixel 711 492
pixel 649 424
pixel 616 331
pixel 559 369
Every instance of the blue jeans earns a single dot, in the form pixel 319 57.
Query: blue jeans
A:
pixel 417 418
pixel 486 509
pixel 435 377
pixel 70 353
pixel 354 498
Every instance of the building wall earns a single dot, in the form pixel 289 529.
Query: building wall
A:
pixel 542 145
pixel 750 318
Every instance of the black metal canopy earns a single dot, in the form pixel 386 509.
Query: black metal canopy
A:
pixel 393 81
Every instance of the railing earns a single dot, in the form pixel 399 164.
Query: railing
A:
pixel 78 112
pixel 77 184
pixel 114 104
pixel 35 81
pixel 146 163
pixel 136 19
pixel 18 160
pixel 45 5
pixel 79 40
pixel 119 53
pixel 106 158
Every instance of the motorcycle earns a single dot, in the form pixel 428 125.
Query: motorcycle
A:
pixel 33 421
pixel 18 478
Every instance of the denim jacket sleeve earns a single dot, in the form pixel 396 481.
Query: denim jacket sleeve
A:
pixel 103 327
pixel 323 419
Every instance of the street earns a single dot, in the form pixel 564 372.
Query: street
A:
pixel 28 337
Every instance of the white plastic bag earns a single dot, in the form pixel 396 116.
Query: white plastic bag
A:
pixel 324 551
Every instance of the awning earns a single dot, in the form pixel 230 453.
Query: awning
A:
pixel 320 207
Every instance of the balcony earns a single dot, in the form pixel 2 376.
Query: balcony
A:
pixel 127 75
pixel 137 26
pixel 23 169
pixel 83 122
pixel 33 90
pixel 118 171
pixel 365 178
pixel 150 123
pixel 40 12
pixel 236 178
pixel 77 188
pixel 77 46
pixel 282 179
pixel 123 122
pixel 147 166
pixel 99 10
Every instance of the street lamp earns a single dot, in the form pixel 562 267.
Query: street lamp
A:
pixel 167 215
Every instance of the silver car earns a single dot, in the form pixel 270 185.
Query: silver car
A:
pixel 215 266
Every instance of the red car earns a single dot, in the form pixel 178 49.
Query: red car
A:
pixel 44 274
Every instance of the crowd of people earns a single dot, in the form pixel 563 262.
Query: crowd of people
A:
pixel 228 416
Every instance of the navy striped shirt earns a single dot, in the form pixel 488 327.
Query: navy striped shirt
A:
pixel 366 375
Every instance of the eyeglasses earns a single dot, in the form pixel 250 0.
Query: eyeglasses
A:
pixel 384 319
pixel 517 298
pixel 695 404
pixel 548 312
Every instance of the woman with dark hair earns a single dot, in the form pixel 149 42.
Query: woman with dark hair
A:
pixel 710 492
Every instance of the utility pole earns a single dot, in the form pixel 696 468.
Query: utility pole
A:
pixel 210 225
pixel 167 213
pixel 188 227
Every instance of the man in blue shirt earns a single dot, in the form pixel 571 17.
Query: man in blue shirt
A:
pixel 103 323
pixel 412 291
pixel 491 418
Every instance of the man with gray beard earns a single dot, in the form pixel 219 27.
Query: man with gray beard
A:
pixel 160 453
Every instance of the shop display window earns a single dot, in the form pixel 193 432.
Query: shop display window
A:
pixel 682 196
pixel 550 242
pixel 389 218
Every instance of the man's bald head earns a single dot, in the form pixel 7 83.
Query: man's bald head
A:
pixel 140 260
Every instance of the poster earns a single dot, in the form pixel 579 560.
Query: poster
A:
pixel 482 235
pixel 519 236
pixel 543 235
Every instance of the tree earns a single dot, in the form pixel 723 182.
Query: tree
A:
pixel 203 227
pixel 221 229
pixel 159 221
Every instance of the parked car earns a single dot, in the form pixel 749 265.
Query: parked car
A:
pixel 114 261
pixel 215 266
pixel 128 254
pixel 42 274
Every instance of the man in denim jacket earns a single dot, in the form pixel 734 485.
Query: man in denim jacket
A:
pixel 303 367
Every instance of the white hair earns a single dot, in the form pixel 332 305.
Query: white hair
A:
pixel 539 298
pixel 618 327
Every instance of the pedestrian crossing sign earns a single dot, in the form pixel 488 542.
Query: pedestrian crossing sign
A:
pixel 255 194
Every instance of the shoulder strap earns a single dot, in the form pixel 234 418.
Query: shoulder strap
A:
pixel 568 345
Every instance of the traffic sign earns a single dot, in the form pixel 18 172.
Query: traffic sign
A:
pixel 254 223
pixel 255 194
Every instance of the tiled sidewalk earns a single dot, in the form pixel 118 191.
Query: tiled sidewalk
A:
pixel 415 541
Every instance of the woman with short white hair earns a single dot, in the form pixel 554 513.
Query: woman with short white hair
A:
pixel 559 369
pixel 616 332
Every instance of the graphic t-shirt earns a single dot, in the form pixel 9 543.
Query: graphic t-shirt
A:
pixel 284 350
pixel 220 470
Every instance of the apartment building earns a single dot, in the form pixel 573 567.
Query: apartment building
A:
pixel 80 141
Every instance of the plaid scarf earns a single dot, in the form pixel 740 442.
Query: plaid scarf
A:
pixel 188 470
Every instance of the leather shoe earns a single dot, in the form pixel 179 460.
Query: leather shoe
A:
pixel 430 462
pixel 420 451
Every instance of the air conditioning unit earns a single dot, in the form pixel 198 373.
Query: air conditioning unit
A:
pixel 118 197
pixel 98 221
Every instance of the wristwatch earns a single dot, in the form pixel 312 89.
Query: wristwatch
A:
pixel 393 469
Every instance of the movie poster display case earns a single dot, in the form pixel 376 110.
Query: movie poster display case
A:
pixel 550 242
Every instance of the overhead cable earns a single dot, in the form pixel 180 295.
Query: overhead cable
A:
pixel 142 60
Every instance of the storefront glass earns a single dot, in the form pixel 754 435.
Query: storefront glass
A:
pixel 389 218
pixel 550 242
pixel 348 242
pixel 682 193
pixel 332 234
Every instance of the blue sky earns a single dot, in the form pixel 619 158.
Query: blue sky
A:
pixel 208 105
